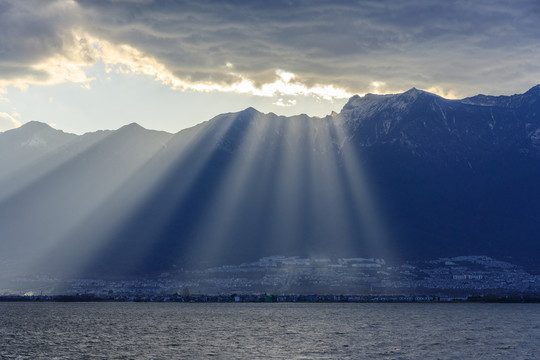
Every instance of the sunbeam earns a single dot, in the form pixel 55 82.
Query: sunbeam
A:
pixel 237 188
pixel 76 182
pixel 223 217
pixel 124 232
pixel 289 190
pixel 375 230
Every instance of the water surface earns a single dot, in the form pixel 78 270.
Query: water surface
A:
pixel 263 331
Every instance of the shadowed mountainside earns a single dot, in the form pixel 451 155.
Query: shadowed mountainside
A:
pixel 405 176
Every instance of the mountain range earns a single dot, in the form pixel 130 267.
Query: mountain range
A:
pixel 409 176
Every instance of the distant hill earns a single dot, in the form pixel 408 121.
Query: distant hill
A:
pixel 409 176
pixel 20 147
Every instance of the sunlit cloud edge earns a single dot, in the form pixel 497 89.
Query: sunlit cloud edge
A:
pixel 69 67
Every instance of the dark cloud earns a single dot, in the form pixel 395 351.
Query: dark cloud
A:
pixel 463 46
pixel 31 32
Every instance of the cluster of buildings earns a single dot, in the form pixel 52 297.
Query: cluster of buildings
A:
pixel 338 279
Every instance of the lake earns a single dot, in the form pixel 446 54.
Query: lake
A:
pixel 268 331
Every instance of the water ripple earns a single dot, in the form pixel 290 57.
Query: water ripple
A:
pixel 268 331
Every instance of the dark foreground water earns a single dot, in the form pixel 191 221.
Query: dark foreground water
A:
pixel 263 331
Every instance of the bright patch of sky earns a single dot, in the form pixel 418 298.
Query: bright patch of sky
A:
pixel 97 85
pixel 113 99
pixel 8 122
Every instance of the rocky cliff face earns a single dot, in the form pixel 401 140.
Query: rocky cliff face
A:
pixel 445 130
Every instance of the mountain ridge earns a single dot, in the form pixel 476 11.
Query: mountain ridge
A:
pixel 404 176
pixel 354 101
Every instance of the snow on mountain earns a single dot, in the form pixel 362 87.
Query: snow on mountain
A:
pixel 431 126
pixel 513 101
pixel 35 141
pixel 35 134
pixel 26 144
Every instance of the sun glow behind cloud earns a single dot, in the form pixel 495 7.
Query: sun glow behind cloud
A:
pixel 125 58
pixel 87 50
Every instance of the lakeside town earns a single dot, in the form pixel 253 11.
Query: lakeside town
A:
pixel 281 278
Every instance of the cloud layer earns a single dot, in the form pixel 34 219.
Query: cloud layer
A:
pixel 278 48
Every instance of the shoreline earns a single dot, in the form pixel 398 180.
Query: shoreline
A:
pixel 244 298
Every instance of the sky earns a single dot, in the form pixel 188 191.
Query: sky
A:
pixel 85 65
